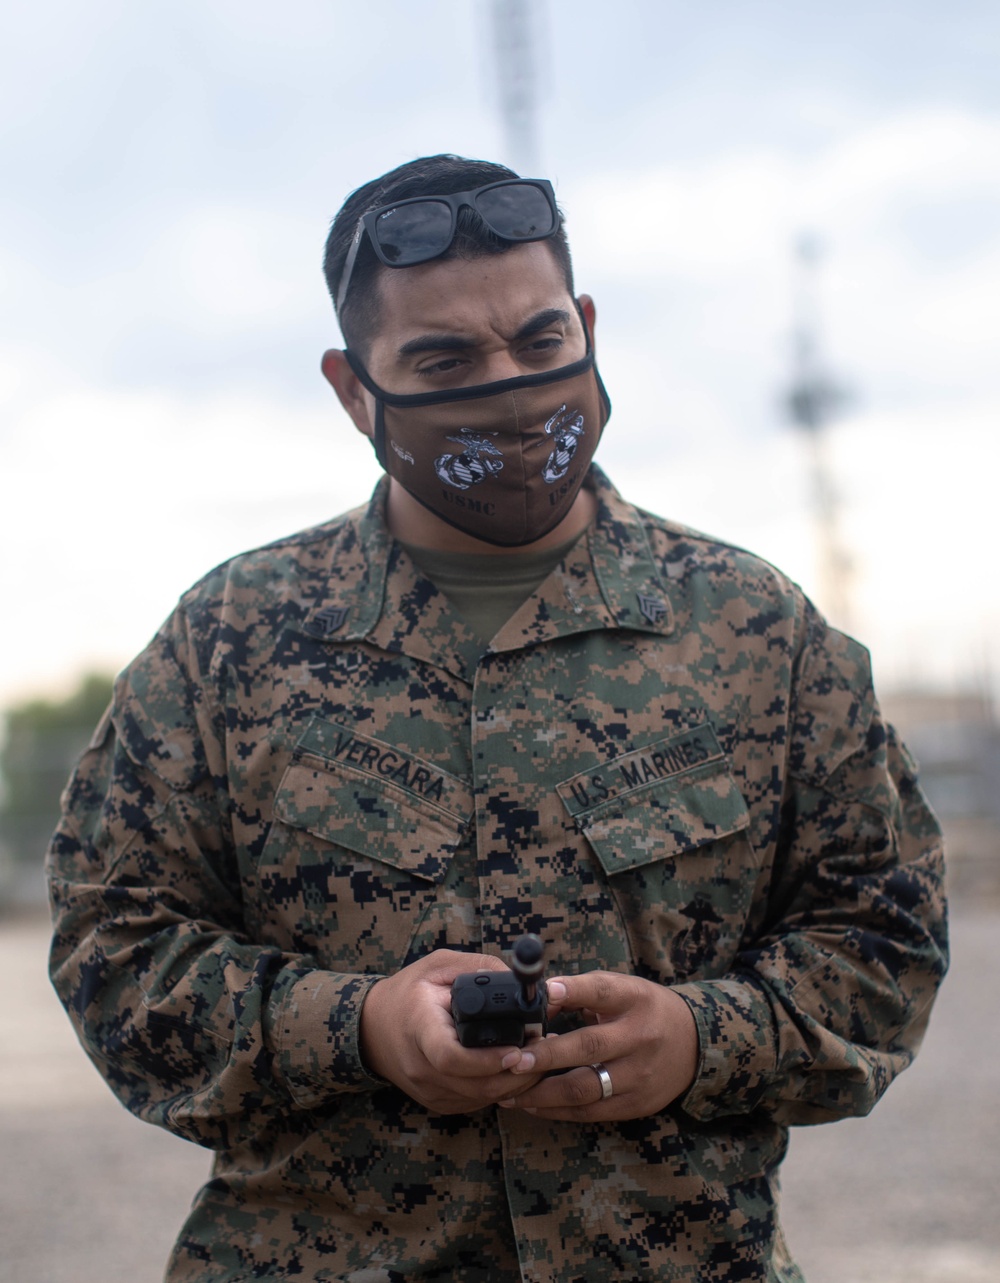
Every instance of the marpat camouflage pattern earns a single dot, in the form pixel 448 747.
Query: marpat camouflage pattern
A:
pixel 665 763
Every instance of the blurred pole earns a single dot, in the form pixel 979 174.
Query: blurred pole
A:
pixel 513 38
pixel 812 403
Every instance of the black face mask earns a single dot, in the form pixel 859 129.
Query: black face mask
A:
pixel 501 461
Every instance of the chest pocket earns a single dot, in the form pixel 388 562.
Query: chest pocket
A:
pixel 363 836
pixel 669 827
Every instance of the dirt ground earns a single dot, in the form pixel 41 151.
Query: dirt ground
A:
pixel 90 1195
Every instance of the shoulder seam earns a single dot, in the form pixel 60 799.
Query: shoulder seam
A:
pixel 303 538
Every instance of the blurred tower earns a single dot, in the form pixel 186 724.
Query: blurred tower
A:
pixel 812 402
pixel 515 60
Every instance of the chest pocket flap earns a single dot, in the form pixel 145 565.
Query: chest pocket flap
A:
pixel 374 799
pixel 657 802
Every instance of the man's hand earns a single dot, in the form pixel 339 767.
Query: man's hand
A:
pixel 643 1033
pixel 408 1037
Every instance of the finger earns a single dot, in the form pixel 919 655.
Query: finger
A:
pixel 580 1047
pixel 481 1093
pixel 447 1057
pixel 605 1111
pixel 577 1095
pixel 555 992
pixel 468 1094
pixel 608 993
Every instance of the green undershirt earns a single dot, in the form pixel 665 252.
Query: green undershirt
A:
pixel 487 588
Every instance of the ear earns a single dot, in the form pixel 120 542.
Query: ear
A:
pixel 350 392
pixel 589 315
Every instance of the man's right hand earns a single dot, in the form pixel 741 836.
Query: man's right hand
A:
pixel 408 1037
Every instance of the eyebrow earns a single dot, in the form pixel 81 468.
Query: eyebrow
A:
pixel 542 321
pixel 459 343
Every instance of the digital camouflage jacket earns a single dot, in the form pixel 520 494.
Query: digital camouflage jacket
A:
pixel 665 763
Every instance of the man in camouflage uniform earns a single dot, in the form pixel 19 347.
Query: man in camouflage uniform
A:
pixel 498 699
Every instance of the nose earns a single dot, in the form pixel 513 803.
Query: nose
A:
pixel 502 364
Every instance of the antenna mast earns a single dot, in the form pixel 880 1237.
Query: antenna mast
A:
pixel 515 62
pixel 813 401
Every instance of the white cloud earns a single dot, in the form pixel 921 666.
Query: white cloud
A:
pixel 912 156
pixel 733 213
pixel 115 502
pixel 230 268
pixel 917 496
pixel 698 354
pixel 718 235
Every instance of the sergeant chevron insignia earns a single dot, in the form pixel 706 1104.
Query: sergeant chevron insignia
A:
pixel 328 620
pixel 654 608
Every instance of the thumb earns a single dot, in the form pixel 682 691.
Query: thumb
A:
pixel 605 992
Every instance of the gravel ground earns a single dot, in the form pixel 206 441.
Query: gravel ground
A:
pixel 90 1195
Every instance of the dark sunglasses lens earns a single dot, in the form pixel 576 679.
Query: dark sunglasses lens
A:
pixel 519 212
pixel 413 233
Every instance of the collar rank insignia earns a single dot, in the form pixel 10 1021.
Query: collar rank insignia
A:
pixel 653 608
pixel 328 620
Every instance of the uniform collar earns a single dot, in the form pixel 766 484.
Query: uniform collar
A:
pixel 608 580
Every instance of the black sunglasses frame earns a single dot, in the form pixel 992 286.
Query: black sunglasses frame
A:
pixel 455 201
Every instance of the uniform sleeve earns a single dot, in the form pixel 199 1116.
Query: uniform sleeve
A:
pixel 194 1026
pixel 830 999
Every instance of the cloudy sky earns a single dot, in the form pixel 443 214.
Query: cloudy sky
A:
pixel 167 175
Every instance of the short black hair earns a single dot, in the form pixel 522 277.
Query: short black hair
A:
pixel 427 176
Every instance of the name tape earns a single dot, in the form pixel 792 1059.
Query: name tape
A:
pixel 633 771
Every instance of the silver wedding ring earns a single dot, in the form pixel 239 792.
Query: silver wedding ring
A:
pixel 605 1079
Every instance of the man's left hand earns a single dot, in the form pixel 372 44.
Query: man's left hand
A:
pixel 642 1033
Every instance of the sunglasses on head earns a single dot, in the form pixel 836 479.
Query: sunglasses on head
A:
pixel 423 227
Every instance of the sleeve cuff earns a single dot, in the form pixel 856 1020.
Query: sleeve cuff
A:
pixel 315 1037
pixel 738 1047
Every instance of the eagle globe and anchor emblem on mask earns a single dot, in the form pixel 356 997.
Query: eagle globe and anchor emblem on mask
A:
pixel 480 458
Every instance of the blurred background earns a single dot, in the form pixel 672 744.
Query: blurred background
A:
pixel 789 217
